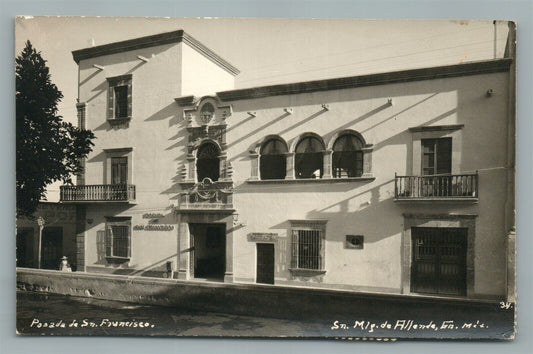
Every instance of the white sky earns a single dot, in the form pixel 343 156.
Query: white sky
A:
pixel 272 51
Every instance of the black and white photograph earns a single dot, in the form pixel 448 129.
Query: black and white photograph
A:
pixel 265 178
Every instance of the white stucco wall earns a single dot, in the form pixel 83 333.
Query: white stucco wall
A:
pixel 200 75
pixel 367 208
pixel 157 133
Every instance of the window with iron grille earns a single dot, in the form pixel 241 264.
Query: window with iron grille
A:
pixel 308 245
pixel 118 237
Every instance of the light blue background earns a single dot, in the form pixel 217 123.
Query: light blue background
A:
pixel 519 11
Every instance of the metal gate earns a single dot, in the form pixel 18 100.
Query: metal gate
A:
pixel 439 260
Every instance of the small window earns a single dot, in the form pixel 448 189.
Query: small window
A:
pixel 273 160
pixel 119 98
pixel 307 248
pixel 118 237
pixel 119 170
pixel 309 158
pixel 347 157
pixel 436 156
pixel 207 162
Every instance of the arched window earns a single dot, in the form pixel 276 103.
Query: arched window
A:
pixel 309 157
pixel 207 162
pixel 272 162
pixel 347 156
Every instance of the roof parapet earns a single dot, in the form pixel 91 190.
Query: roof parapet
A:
pixel 151 41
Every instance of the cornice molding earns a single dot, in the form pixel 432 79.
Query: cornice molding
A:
pixel 152 41
pixel 432 73
pixel 435 128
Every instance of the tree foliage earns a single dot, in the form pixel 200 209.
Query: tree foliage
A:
pixel 48 149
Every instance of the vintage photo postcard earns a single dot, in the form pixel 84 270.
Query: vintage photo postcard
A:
pixel 265 178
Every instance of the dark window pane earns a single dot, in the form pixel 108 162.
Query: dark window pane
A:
pixel 347 143
pixel 273 166
pixel 309 165
pixel 207 162
pixel 347 164
pixel 273 147
pixel 121 101
pixel 308 160
pixel 119 170
pixel 444 155
pixel 436 156
pixel 272 162
pixel 347 157
pixel 309 144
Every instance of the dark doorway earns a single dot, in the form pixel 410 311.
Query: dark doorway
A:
pixel 208 256
pixel 439 260
pixel 51 247
pixel 265 263
pixel 25 248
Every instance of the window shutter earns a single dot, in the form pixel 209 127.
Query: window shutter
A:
pixel 294 258
pixel 129 97
pixel 110 102
pixel 108 241
pixel 444 156
pixel 128 252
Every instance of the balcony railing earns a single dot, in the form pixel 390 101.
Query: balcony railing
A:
pixel 464 186
pixel 98 193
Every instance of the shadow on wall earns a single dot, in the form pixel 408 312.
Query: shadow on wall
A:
pixel 147 219
pixel 350 124
pixel 169 111
pixel 102 86
pixel 158 269
pixel 255 131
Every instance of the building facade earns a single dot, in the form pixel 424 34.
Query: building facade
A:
pixel 45 238
pixel 399 182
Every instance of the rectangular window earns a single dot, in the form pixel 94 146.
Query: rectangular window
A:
pixel 436 156
pixel 118 237
pixel 121 101
pixel 308 244
pixel 119 170
pixel 119 97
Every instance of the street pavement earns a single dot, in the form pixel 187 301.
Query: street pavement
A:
pixel 51 314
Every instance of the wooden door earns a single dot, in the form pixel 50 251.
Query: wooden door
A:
pixel 25 247
pixel 52 247
pixel 439 261
pixel 265 263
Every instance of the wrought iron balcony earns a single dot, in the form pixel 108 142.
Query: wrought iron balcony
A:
pixel 98 193
pixel 435 187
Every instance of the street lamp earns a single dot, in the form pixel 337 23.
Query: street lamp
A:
pixel 40 222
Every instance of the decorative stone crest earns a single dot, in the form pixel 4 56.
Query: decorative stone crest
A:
pixel 208 191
